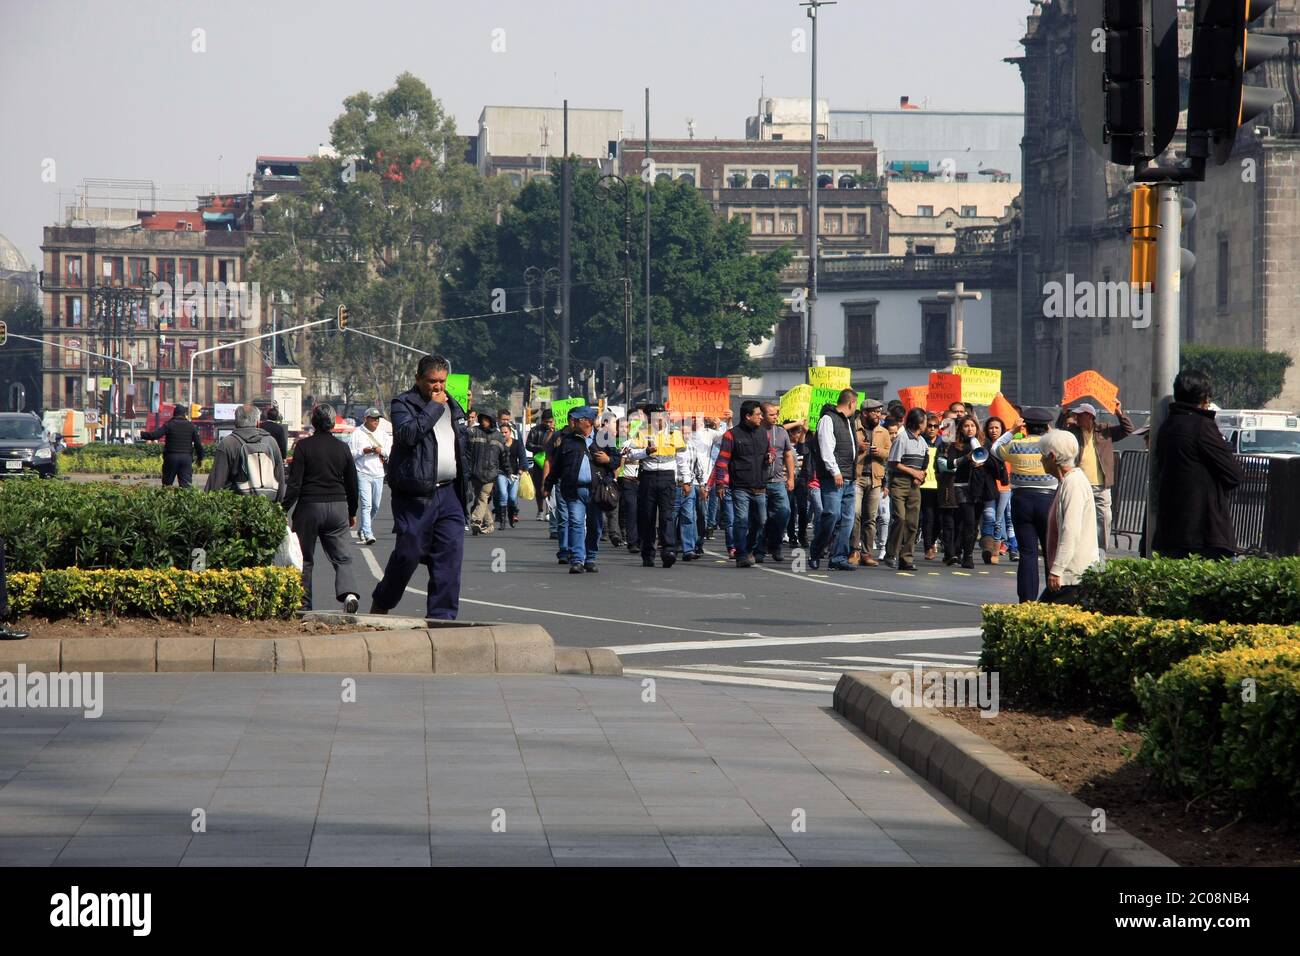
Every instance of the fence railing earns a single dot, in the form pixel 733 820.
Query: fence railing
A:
pixel 1248 505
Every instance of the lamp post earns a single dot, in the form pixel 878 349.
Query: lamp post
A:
pixel 813 7
pixel 627 281
pixel 717 356
pixel 659 352
pixel 534 275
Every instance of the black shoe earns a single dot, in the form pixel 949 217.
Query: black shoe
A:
pixel 575 569
pixel 616 541
pixel 890 563
pixel 689 556
pixel 591 568
pixel 814 564
pixel 699 552
pixel 758 558
pixel 778 557
pixel 555 536
pixel 744 562
pixel 968 563
pixel 647 562
pixel 906 566
pixel 950 561
pixel 835 566
pixel 669 560
pixel 562 560
pixel 8 633
pixel 633 548
pixel 376 609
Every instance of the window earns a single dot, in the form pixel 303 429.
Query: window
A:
pixel 72 391
pixel 166 391
pixel 859 333
pixel 685 177
pixel 138 267
pixel 737 178
pixel 189 271
pixel 747 218
pixel 824 180
pixel 111 268
pixel 73 275
pixel 778 136
pixel 226 358
pixel 934 338
pixel 789 224
pixel 183 390
pixel 167 271
pixel 789 340
pixel 188 348
pixel 167 354
pixel 857 224
pixel 71 359
pixel 925 250
pixel 969 212
pixel 846 181
pixel 225 270
pixel 72 311
pixel 784 178
pixel 226 391
pixel 664 176
pixel 1225 265
pixel 925 211
pixel 760 181
pixel 765 223
pixel 832 224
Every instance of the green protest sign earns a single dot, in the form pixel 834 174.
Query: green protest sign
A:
pixel 562 407
pixel 458 388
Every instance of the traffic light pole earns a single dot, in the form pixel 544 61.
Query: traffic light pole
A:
pixel 251 338
pixel 1164 333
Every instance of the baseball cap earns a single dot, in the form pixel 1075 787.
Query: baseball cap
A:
pixel 586 411
pixel 1083 407
pixel 373 412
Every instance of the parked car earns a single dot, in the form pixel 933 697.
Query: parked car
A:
pixel 1260 432
pixel 25 446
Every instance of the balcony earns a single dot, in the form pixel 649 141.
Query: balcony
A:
pixel 849 271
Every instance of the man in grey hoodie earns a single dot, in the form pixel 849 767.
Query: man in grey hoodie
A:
pixel 248 460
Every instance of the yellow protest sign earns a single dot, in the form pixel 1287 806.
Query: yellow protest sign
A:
pixel 979 386
pixel 794 403
pixel 931 482
pixel 829 376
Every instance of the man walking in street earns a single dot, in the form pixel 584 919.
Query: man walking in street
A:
pixel 370 446
pixel 182 450
pixel 1097 458
pixel 429 475
pixel 535 445
pixel 247 460
pixel 487 460
pixel 580 461
pixel 836 462
pixel 766 540
pixel 742 472
pixel 909 457
pixel 657 448
pixel 272 425
pixel 1032 491
pixel 1196 472
pixel 873 451
pixel 550 484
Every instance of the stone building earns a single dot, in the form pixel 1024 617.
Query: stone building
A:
pixel 1245 287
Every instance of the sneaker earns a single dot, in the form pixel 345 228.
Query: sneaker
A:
pixel 1015 556
pixel 814 564
pixel 906 566
pixel 350 603
pixel 541 516
pixel 590 567
pixel 616 541
pixel 575 569
pixel 370 540
pixel 744 562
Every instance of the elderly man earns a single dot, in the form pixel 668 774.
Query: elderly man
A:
pixel 248 460
pixel 873 443
pixel 581 459
pixel 1097 457
pixel 370 446
pixel 1071 543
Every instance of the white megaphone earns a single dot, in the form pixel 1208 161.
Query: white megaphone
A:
pixel 978 454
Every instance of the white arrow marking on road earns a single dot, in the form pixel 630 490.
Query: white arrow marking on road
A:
pixel 935 634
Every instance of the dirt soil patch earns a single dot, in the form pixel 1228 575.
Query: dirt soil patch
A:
pixel 219 626
pixel 1086 756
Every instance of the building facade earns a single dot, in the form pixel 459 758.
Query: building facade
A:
pixel 518 142
pixel 927 216
pixel 788 118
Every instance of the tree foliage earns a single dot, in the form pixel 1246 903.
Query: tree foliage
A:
pixel 374 228
pixel 701 273
pixel 1241 378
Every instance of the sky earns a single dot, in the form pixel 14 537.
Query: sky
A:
pixel 117 88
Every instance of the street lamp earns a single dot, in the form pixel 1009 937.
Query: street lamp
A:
pixel 533 275
pixel 659 351
pixel 717 356
pixel 627 282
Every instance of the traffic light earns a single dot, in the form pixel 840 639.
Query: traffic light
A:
pixel 195 411
pixel 4 332
pixel 1219 101
pixel 343 316
pixel 1126 77
pixel 1142 253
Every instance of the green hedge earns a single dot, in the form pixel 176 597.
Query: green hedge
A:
pixel 56 524
pixel 1205 733
pixel 1250 591
pixel 1050 654
pixel 101 458
pixel 250 593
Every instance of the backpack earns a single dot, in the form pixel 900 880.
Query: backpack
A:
pixel 257 466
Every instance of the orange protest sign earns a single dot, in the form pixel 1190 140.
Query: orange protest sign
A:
pixel 689 395
pixel 913 397
pixel 945 388
pixel 1001 408
pixel 1091 384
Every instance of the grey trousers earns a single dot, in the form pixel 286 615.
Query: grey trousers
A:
pixel 328 522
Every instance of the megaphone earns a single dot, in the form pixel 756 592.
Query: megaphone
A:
pixel 979 455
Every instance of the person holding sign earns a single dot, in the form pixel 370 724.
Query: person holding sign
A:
pixel 1097 457
pixel 836 464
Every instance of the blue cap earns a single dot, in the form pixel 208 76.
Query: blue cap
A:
pixel 586 411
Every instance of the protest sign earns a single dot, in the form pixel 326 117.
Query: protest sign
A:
pixel 978 385
pixel 794 403
pixel 818 398
pixel 829 376
pixel 945 388
pixel 561 409
pixel 1001 408
pixel 689 395
pixel 931 477
pixel 458 388
pixel 1091 384
pixel 914 396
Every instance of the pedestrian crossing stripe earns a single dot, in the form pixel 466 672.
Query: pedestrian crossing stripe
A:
pixel 962 574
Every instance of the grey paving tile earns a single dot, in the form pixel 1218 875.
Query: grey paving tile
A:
pixel 34 850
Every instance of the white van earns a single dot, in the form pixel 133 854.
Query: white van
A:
pixel 1251 431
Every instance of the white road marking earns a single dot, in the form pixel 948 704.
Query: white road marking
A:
pixel 759 671
pixel 969 655
pixel 893 661
pixel 729 679
pixel 897 661
pixel 934 634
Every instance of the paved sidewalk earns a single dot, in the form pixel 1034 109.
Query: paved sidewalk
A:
pixel 579 770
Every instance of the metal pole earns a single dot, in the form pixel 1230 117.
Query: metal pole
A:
pixel 1164 333
pixel 566 226
pixel 649 386
pixel 627 294
pixel 251 338
pixel 812 204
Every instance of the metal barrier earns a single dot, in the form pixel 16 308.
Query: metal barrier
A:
pixel 1248 504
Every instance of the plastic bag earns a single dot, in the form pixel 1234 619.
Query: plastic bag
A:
pixel 289 553
pixel 526 489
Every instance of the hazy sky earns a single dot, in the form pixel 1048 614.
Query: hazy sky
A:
pixel 113 88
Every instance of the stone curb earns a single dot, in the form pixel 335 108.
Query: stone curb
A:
pixel 1023 807
pixel 472 649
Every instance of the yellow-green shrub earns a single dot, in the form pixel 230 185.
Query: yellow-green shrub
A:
pixel 249 593
pixel 1228 722
pixel 1052 654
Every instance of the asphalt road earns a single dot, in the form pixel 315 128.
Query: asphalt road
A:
pixel 766 626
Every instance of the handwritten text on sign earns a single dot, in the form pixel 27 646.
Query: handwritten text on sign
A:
pixel 945 388
pixel 690 395
pixel 979 385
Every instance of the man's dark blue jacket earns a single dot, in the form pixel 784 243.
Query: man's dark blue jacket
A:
pixel 413 465
pixel 568 459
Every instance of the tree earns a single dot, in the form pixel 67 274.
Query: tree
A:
pixel 1241 378
pixel 701 272
pixel 20 361
pixel 372 228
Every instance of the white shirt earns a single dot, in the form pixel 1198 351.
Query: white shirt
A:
pixel 826 443
pixel 361 439
pixel 445 434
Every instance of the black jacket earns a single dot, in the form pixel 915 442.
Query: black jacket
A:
pixel 846 449
pixel 277 431
pixel 322 470
pixel 567 462
pixel 743 458
pixel 487 454
pixel 179 435
pixel 1197 472
pixel 413 465
pixel 515 460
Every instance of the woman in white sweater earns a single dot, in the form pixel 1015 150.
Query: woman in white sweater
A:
pixel 1072 521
